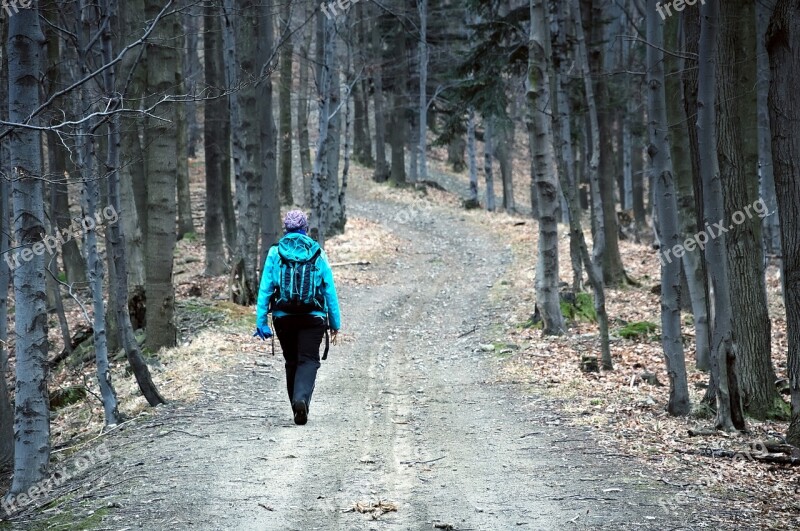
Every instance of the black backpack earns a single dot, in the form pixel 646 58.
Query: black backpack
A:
pixel 298 286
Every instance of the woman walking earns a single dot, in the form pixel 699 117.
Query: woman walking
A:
pixel 297 288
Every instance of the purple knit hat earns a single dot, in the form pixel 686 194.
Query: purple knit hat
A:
pixel 295 220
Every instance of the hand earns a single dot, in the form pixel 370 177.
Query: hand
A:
pixel 334 336
pixel 263 332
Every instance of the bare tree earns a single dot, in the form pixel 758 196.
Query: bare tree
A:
pixel 730 415
pixel 285 105
pixel 546 177
pixel 215 141
pixel 161 164
pixel 87 19
pixel 783 45
pixel 32 415
pixel 422 6
pixel 659 151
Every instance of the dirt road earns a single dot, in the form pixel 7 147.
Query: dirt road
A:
pixel 407 415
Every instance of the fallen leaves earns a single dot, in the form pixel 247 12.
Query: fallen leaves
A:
pixel 375 509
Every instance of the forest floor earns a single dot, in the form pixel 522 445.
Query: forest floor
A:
pixel 439 410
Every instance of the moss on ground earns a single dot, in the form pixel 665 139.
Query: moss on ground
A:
pixel 637 330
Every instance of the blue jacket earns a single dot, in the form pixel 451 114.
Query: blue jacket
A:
pixel 300 247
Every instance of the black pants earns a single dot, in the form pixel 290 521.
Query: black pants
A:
pixel 300 337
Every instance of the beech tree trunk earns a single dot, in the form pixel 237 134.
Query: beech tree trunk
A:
pixel 730 415
pixel 302 115
pixel 472 199
pixel 598 225
pixel 326 34
pixel 488 157
pixel 546 177
pixel 683 175
pixel 133 171
pixel 737 151
pixel 285 103
pixel 381 173
pixel 269 203
pixel 783 45
pixel 86 156
pixel 161 162
pixel 31 414
pixel 770 225
pixel 240 39
pixel 422 6
pixel 659 150
pixel 6 407
pixel 215 142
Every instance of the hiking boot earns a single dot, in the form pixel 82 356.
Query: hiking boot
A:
pixel 300 412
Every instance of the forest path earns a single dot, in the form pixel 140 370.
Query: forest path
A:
pixel 407 412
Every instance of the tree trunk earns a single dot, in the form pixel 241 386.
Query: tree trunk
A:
pixel 6 407
pixel 117 251
pixel 488 156
pixel 546 177
pixel 216 111
pixel 302 119
pixel 362 144
pixel 192 72
pixel 239 34
pixel 576 235
pixel 285 102
pixel 32 415
pixel 599 228
pixel 86 156
pixel 783 45
pixel 133 171
pixel 185 223
pixel 730 415
pixel 397 127
pixel 472 199
pixel 659 150
pixel 562 124
pixel 503 150
pixel 270 207
pixel 74 264
pixel 682 171
pixel 737 150
pixel 162 152
pixel 381 173
pixel 613 269
pixel 422 6
pixel 770 225
pixel 326 34
pixel 335 220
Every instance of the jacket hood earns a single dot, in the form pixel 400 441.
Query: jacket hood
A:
pixel 297 247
